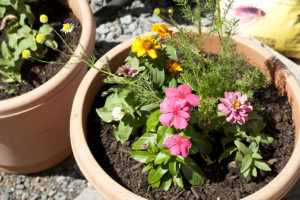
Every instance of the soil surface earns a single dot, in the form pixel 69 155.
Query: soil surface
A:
pixel 224 180
pixel 35 73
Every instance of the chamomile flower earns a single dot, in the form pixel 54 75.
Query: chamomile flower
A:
pixel 170 11
pixel 156 11
pixel 26 54
pixel 67 28
pixel 40 38
pixel 117 113
pixel 43 18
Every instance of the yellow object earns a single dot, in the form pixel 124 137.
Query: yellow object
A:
pixel 144 46
pixel 162 30
pixel 174 66
pixel 274 22
pixel 43 18
pixel 40 38
pixel 26 54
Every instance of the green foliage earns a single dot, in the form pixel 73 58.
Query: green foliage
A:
pixel 17 15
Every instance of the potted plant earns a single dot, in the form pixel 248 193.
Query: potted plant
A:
pixel 35 125
pixel 168 138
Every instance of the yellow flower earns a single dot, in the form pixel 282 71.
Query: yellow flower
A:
pixel 174 66
pixel 43 18
pixel 26 54
pixel 67 28
pixel 144 46
pixel 170 11
pixel 156 11
pixel 162 30
pixel 40 38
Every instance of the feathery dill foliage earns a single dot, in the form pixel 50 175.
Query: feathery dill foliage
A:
pixel 210 78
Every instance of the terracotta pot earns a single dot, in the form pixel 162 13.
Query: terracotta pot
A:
pixel 34 132
pixel 92 82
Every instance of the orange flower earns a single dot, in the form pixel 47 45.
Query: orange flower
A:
pixel 174 66
pixel 162 30
pixel 144 46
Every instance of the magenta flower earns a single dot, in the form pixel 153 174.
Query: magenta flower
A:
pixel 235 107
pixel 183 92
pixel 178 145
pixel 175 113
pixel 128 71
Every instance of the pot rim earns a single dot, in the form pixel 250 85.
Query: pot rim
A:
pixel 52 87
pixel 110 189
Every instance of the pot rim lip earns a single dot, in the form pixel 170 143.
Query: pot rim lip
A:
pixel 82 151
pixel 52 87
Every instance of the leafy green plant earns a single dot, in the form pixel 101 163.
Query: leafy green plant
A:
pixel 23 40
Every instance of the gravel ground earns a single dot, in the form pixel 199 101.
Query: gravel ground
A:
pixel 65 180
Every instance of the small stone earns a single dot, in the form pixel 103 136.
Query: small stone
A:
pixel 20 187
pixel 4 196
pixel 272 161
pixel 111 36
pixel 60 179
pixel 232 164
pixel 127 19
pixel 25 196
pixel 37 179
pixel 132 27
pixel 102 29
pixel 51 193
pixel 44 197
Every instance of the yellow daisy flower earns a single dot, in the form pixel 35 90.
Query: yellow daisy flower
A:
pixel 156 11
pixel 26 54
pixel 43 18
pixel 162 30
pixel 40 38
pixel 174 66
pixel 145 46
pixel 170 11
pixel 67 28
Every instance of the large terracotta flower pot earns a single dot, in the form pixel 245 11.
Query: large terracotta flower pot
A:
pixel 34 127
pixel 92 82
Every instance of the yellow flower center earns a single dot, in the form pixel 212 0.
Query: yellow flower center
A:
pixel 174 66
pixel 66 27
pixel 236 103
pixel 156 11
pixel 43 18
pixel 148 44
pixel 40 38
pixel 26 54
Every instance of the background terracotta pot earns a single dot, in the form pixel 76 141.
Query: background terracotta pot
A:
pixel 34 127
pixel 92 82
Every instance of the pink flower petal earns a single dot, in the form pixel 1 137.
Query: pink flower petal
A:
pixel 180 104
pixel 167 119
pixel 169 142
pixel 184 151
pixel 167 106
pixel 179 122
pixel 192 99
pixel 184 89
pixel 184 115
pixel 175 150
pixel 172 92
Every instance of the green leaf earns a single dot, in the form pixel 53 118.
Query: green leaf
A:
pixel 144 139
pixel 202 143
pixel 157 74
pixel 51 43
pixel 153 121
pixel 156 174
pixel 5 51
pixel 227 152
pixel 45 29
pixel 254 172
pixel 174 167
pixel 163 133
pixel 2 11
pixel 247 161
pixel 192 172
pixel 238 156
pixel 160 158
pixel 147 168
pixel 254 116
pixel 253 147
pixel 26 43
pixel 29 15
pixel 262 165
pixel 166 182
pixel 256 156
pixel 177 179
pixel 171 52
pixel 105 114
pixel 5 2
pixel 247 172
pixel 142 156
pixel 124 130
pixel 7 62
pixel 133 61
pixel 241 147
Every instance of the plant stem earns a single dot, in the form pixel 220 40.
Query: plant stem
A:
pixel 63 40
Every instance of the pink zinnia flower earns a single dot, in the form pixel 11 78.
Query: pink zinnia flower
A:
pixel 175 113
pixel 128 71
pixel 183 92
pixel 235 107
pixel 178 145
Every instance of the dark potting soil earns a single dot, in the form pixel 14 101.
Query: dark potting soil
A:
pixel 224 180
pixel 36 73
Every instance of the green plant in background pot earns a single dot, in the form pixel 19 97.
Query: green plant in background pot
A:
pixel 17 15
pixel 35 125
